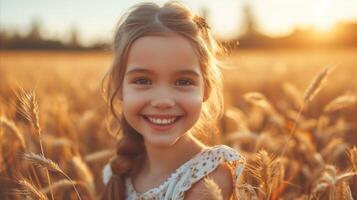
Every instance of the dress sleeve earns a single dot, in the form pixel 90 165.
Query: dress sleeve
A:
pixel 107 173
pixel 207 163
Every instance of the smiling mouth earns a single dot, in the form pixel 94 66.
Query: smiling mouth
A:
pixel 161 120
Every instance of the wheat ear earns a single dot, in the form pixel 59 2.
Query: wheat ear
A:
pixel 309 94
pixel 48 164
pixel 64 183
pixel 30 110
pixel 11 126
pixel 214 189
pixel 352 154
pixel 340 102
pixel 30 191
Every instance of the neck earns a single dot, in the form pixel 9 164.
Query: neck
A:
pixel 161 160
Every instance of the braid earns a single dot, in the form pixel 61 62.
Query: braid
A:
pixel 130 150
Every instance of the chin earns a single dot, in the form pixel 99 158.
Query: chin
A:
pixel 161 142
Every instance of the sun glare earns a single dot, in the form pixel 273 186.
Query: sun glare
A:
pixel 324 25
pixel 323 19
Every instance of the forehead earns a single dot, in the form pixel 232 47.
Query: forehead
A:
pixel 162 52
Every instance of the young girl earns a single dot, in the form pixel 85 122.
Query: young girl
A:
pixel 165 90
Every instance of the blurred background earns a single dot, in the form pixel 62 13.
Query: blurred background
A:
pixel 274 48
pixel 275 23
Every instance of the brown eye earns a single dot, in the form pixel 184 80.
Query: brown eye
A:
pixel 184 82
pixel 142 81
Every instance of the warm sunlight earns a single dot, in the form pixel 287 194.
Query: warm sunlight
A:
pixel 323 16
pixel 324 25
pixel 178 99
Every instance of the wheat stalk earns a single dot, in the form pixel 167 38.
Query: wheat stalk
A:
pixel 261 170
pixel 213 188
pixel 261 101
pixel 48 164
pixel 84 173
pixel 335 147
pixel 64 183
pixel 293 93
pixel 258 99
pixel 30 191
pixel 278 172
pixel 316 84
pixel 99 155
pixel 246 191
pixel 319 188
pixel 30 110
pixel 329 177
pixel 339 103
pixel 11 126
pixel 41 161
pixel 343 191
pixel 344 177
pixel 238 117
pixel 311 91
pixel 352 154
pixel 332 182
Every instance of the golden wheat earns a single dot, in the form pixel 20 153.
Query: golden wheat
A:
pixel 317 84
pixel 353 157
pixel 58 185
pixel 341 102
pixel 29 191
pixel 42 162
pixel 13 128
pixel 48 164
pixel 213 188
pixel 313 167
pixel 29 108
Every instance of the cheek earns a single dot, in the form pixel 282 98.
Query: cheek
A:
pixel 191 103
pixel 132 102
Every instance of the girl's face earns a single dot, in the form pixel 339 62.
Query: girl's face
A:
pixel 163 88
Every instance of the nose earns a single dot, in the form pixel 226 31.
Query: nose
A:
pixel 162 103
pixel 163 100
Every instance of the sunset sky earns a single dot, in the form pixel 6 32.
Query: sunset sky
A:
pixel 95 19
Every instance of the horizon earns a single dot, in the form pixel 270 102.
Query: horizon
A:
pixel 225 17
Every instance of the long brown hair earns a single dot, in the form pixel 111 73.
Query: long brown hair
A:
pixel 146 19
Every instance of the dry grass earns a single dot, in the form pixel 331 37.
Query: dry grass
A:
pixel 314 129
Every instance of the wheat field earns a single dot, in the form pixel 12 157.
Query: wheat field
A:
pixel 291 113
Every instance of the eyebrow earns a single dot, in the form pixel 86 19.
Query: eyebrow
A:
pixel 182 71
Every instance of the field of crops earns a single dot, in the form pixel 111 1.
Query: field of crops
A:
pixel 291 113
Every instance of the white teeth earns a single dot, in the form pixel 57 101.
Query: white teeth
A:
pixel 162 121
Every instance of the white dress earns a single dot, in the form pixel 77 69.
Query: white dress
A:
pixel 187 174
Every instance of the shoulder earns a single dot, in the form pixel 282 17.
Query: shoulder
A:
pixel 222 164
pixel 218 182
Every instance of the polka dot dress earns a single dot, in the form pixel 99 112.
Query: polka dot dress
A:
pixel 187 174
